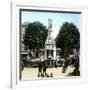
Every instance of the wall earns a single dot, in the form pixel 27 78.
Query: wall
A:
pixel 5 44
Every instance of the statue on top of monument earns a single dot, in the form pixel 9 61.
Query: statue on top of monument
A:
pixel 49 23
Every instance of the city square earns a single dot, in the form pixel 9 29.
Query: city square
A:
pixel 46 53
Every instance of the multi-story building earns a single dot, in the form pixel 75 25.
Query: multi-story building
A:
pixel 23 27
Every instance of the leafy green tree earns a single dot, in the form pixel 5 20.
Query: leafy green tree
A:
pixel 68 38
pixel 35 36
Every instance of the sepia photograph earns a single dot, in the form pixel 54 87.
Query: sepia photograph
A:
pixel 49 44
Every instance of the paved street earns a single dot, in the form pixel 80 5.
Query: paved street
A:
pixel 31 73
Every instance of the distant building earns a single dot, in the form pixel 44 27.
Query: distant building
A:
pixel 23 27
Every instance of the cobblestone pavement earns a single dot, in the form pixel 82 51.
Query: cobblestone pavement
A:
pixel 31 73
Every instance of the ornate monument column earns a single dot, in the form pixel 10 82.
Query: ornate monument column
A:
pixel 50 49
pixel 50 43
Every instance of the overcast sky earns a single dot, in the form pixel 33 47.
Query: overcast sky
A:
pixel 57 17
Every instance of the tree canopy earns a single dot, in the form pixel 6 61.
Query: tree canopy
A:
pixel 68 37
pixel 35 35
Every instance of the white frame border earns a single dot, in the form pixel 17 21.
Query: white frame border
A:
pixel 15 82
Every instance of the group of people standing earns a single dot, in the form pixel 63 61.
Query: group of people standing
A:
pixel 73 61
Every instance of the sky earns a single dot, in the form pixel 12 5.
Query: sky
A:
pixel 58 18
